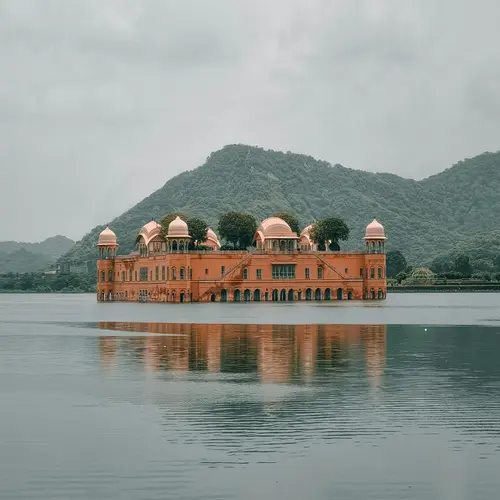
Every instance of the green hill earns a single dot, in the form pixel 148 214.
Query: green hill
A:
pixel 52 247
pixel 483 250
pixel 21 257
pixel 422 218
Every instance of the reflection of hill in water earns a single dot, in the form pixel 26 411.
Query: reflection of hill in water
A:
pixel 274 353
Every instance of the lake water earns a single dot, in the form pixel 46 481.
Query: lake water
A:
pixel 342 400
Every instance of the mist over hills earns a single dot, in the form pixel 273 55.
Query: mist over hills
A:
pixel 422 218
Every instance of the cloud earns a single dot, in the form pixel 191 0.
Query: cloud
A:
pixel 101 102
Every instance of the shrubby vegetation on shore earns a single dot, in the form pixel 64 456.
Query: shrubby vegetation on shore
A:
pixel 46 283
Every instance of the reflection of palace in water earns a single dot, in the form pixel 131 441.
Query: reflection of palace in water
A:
pixel 278 353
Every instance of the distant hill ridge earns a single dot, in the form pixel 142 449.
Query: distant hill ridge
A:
pixel 20 257
pixel 422 218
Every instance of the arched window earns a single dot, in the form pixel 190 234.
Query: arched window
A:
pixel 237 296
pixel 291 295
pixel 190 273
pixel 372 272
pixel 340 294
pixel 103 276
pixel 223 295
pixel 308 294
pixel 275 295
pixel 110 275
pixel 256 295
pixel 320 272
pixel 328 294
pixel 317 294
pixel 245 273
pixel 181 273
pixel 247 295
pixel 283 295
pixel 380 273
pixel 174 277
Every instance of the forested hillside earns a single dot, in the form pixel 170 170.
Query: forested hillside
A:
pixel 422 218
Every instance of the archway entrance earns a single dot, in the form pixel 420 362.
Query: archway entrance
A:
pixel 275 295
pixel 212 297
pixel 291 295
pixel 339 294
pixel 309 293
pixel 299 295
pixel 256 295
pixel 223 295
pixel 328 294
pixel 317 294
pixel 283 295
pixel 247 295
pixel 181 297
pixel 349 295
pixel 372 294
pixel 380 294
pixel 237 296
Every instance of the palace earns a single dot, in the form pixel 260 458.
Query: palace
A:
pixel 284 266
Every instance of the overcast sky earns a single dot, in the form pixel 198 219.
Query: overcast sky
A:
pixel 102 101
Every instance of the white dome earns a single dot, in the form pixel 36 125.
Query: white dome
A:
pixel 375 231
pixel 107 238
pixel 178 228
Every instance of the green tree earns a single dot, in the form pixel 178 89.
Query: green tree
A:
pixel 290 219
pixel 237 228
pixel 401 276
pixel 197 230
pixel 330 230
pixel 396 263
pixel 167 219
pixel 463 265
pixel 496 263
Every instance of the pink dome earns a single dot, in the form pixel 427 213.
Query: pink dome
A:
pixel 107 238
pixel 149 231
pixel 212 237
pixel 274 227
pixel 178 228
pixel 375 231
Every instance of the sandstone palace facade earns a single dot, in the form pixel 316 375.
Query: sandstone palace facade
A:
pixel 284 266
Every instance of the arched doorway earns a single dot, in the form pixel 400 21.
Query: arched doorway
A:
pixel 223 295
pixel 380 294
pixel 182 297
pixel 299 295
pixel 247 295
pixel 237 296
pixel 212 297
pixel 317 294
pixel 372 294
pixel 349 295
pixel 340 294
pixel 328 294
pixel 275 295
pixel 309 294
pixel 283 295
pixel 256 295
pixel 291 295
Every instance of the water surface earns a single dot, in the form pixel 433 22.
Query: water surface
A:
pixel 391 400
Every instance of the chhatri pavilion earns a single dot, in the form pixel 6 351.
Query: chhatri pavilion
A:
pixel 283 266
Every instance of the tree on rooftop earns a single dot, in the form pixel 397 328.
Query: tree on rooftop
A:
pixel 329 231
pixel 197 230
pixel 237 228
